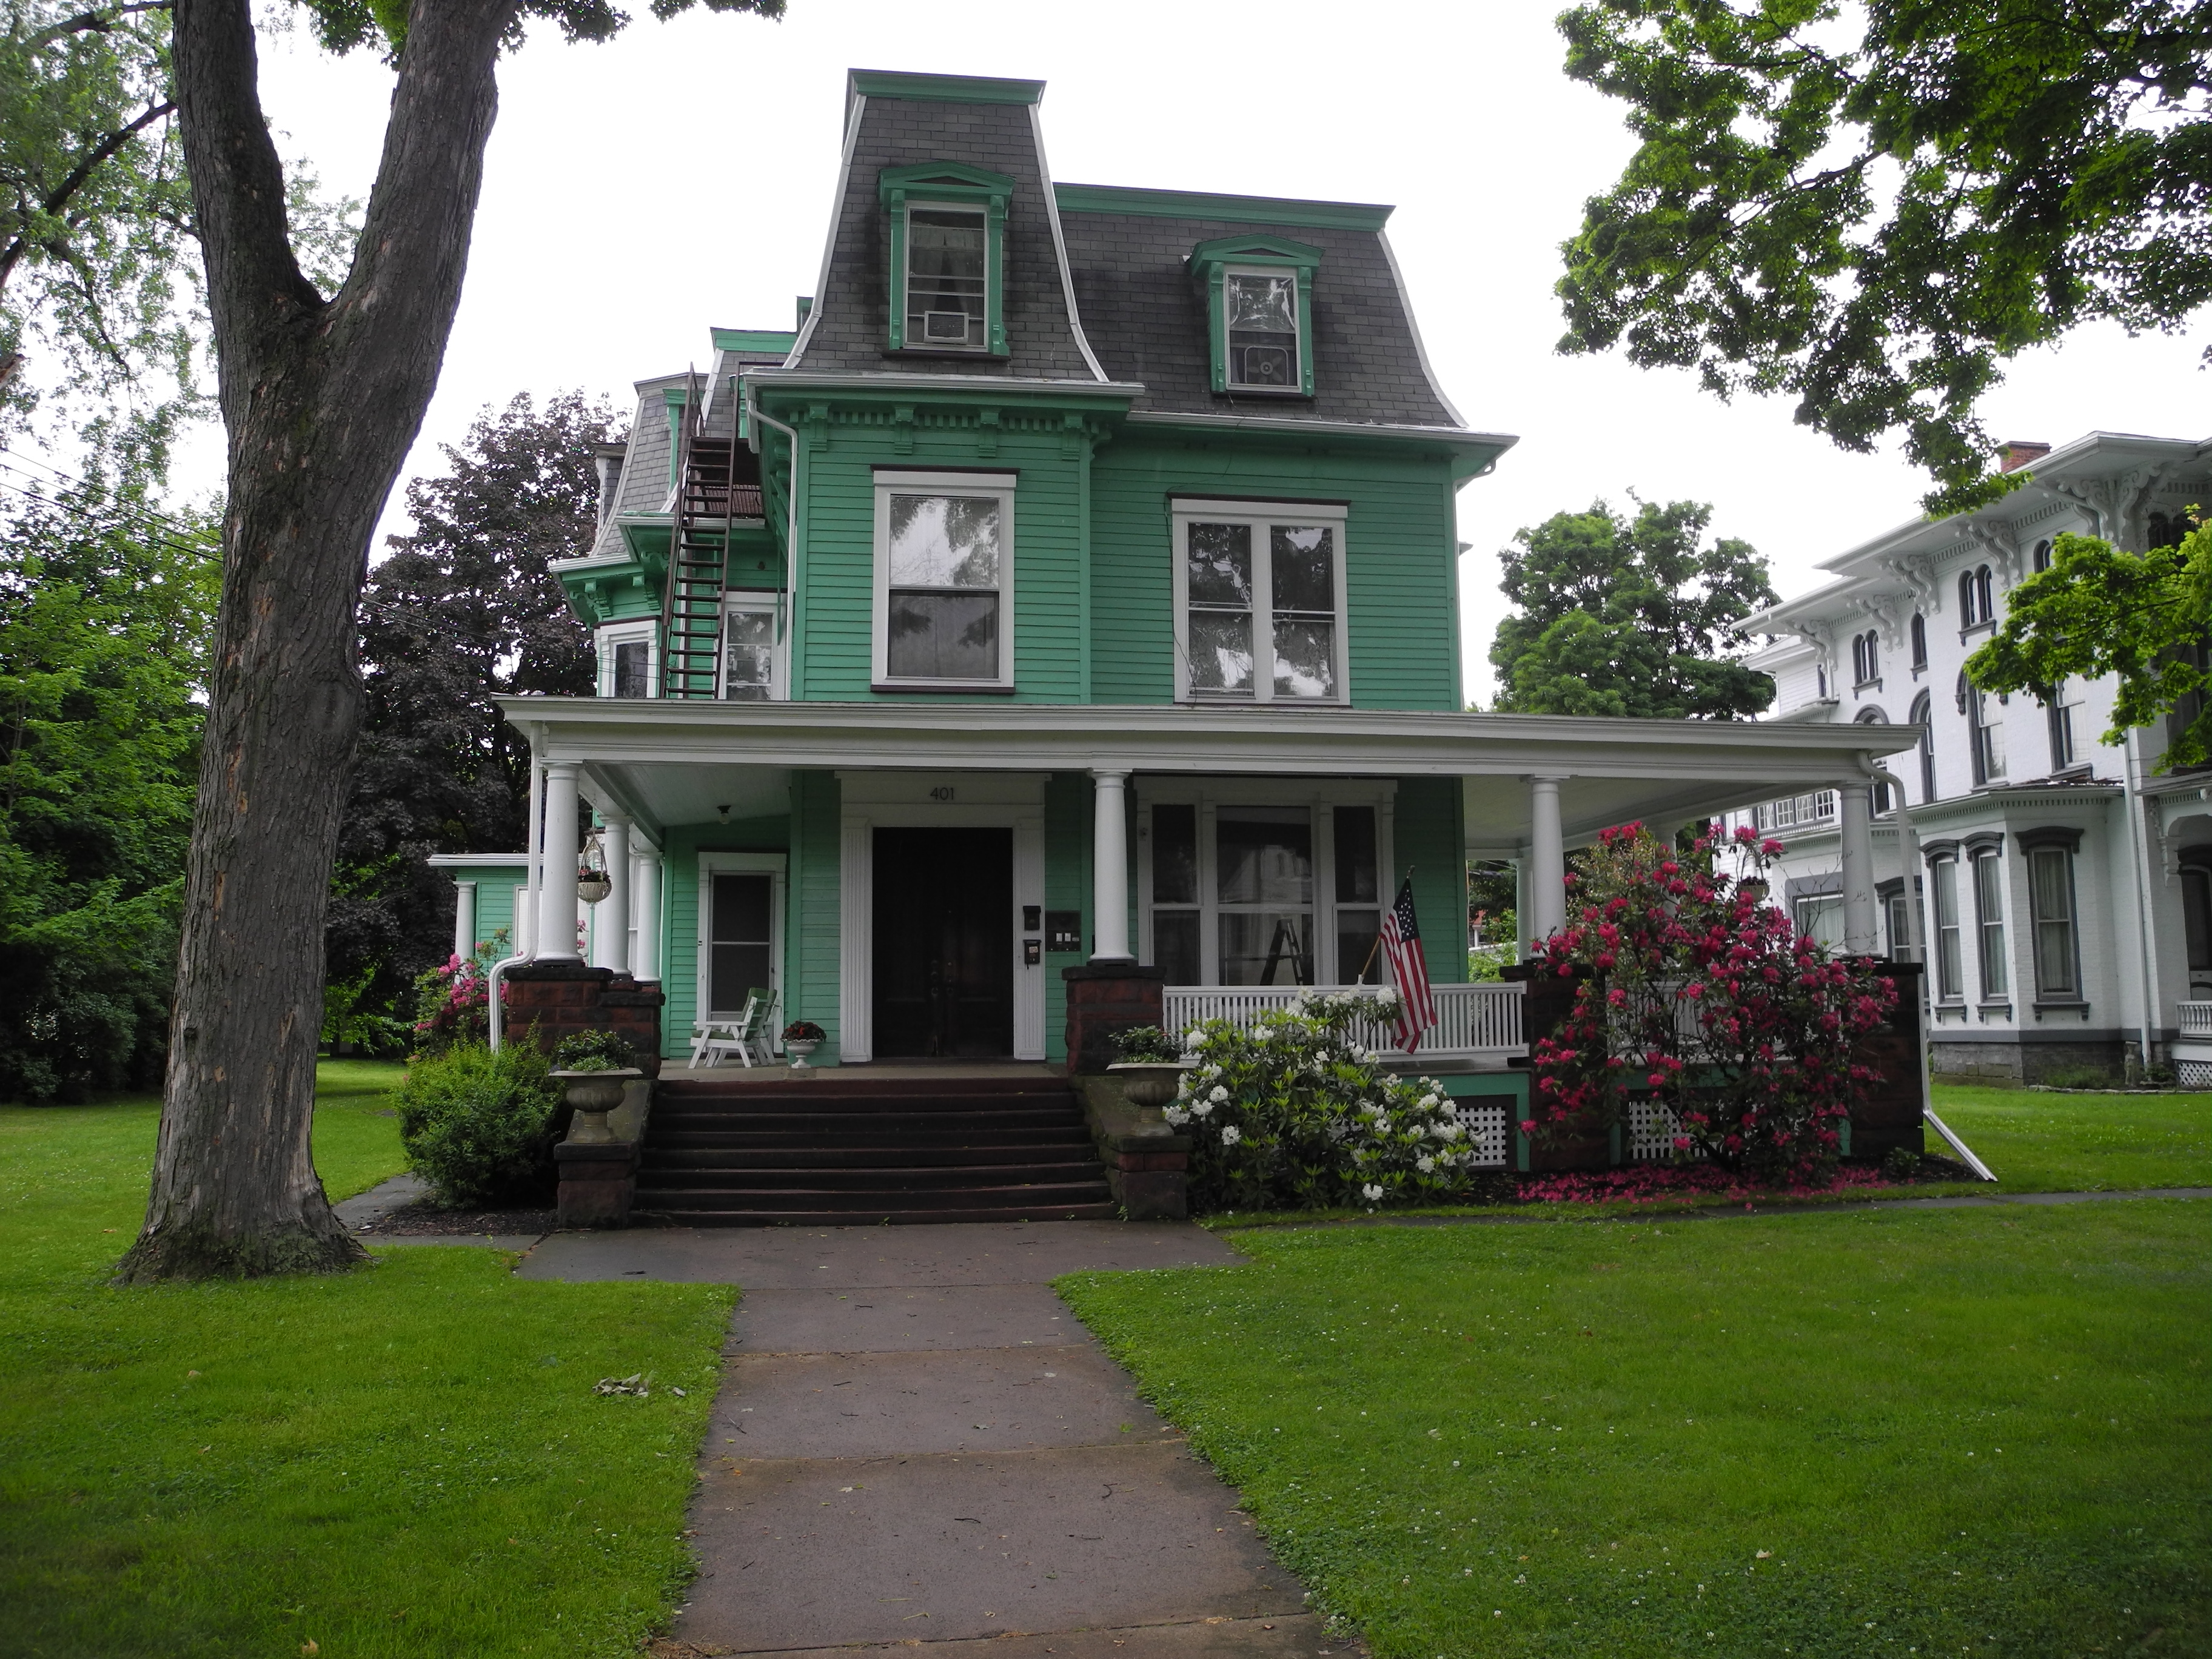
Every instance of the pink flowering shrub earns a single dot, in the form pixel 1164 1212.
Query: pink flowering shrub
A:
pixel 1698 993
pixel 452 1001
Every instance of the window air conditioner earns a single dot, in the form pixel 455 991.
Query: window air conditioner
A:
pixel 945 326
pixel 1263 366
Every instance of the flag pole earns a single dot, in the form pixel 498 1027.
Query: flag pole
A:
pixel 1377 945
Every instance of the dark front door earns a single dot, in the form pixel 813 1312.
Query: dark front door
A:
pixel 945 943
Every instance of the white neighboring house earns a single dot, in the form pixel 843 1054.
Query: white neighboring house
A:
pixel 2064 884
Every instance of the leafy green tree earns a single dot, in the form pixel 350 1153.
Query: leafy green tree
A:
pixel 321 396
pixel 1621 617
pixel 2146 621
pixel 465 610
pixel 105 614
pixel 1873 209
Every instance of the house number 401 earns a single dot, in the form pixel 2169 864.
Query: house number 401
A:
pixel 943 792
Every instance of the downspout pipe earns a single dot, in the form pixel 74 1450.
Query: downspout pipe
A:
pixel 534 857
pixel 2139 846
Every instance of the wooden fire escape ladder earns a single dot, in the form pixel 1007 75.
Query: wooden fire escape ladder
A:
pixel 691 605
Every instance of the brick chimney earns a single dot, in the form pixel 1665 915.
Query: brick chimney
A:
pixel 2016 454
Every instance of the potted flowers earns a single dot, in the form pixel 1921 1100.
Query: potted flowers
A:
pixel 801 1038
pixel 1149 1065
pixel 593 1066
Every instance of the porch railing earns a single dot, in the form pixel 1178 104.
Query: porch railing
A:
pixel 2194 1018
pixel 1473 1021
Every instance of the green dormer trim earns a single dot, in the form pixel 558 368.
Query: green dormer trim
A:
pixel 1227 210
pixel 755 341
pixel 947 184
pixel 944 89
pixel 1243 362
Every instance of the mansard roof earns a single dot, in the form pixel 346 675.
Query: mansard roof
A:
pixel 1099 285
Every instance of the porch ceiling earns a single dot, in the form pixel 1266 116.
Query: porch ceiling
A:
pixel 675 762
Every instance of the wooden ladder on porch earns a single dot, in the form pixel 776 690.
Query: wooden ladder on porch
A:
pixel 691 606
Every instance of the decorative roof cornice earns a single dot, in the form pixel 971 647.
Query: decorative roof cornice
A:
pixel 1225 209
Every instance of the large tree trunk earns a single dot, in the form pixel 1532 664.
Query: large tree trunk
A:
pixel 322 400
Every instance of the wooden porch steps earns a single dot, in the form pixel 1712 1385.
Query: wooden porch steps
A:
pixel 847 1151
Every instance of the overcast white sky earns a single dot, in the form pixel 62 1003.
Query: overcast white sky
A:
pixel 638 193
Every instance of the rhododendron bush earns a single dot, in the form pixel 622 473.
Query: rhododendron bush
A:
pixel 1694 990
pixel 1293 1113
pixel 452 1001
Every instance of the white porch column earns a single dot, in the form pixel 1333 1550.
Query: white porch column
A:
pixel 611 926
pixel 1109 868
pixel 1548 860
pixel 645 913
pixel 464 918
pixel 557 888
pixel 1854 818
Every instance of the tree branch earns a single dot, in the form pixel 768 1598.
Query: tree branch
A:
pixel 90 22
pixel 58 198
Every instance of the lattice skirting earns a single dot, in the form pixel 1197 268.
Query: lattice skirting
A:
pixel 2194 1073
pixel 1485 1133
pixel 1651 1132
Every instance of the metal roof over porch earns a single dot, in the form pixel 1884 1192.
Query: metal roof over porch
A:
pixel 667 761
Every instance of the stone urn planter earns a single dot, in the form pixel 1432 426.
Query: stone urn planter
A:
pixel 1149 1082
pixel 797 1049
pixel 591 1095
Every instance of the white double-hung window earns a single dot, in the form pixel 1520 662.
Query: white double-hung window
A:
pixel 751 661
pixel 1259 600
pixel 629 658
pixel 945 581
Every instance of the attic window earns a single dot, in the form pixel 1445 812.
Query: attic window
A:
pixel 1259 306
pixel 1263 329
pixel 947 224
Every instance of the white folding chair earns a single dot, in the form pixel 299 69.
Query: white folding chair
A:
pixel 717 1040
pixel 756 1035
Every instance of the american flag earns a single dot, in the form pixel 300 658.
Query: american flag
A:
pixel 1401 944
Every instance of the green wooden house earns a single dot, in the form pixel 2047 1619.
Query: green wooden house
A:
pixel 1075 586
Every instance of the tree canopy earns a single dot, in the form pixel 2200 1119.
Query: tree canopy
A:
pixel 104 612
pixel 1875 225
pixel 465 610
pixel 2146 621
pixel 1630 616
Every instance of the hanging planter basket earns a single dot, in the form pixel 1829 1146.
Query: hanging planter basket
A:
pixel 593 885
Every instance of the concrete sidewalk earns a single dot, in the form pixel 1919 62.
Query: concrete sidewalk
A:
pixel 916 1442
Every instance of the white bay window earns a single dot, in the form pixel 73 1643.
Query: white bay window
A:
pixel 1259 602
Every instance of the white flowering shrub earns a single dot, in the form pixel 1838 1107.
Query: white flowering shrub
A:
pixel 1292 1114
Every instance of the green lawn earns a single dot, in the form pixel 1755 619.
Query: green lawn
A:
pixel 406 1460
pixel 1873 1432
pixel 2040 1143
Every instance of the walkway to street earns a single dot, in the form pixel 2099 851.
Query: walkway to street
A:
pixel 916 1442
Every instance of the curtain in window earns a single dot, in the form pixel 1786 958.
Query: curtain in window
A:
pixel 1950 982
pixel 2050 903
pixel 1989 921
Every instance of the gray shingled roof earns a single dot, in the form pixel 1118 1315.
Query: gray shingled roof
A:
pixel 1145 318
pixel 850 318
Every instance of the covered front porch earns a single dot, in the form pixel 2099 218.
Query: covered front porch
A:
pixel 917 878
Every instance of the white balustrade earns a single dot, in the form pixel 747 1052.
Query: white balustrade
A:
pixel 2195 1018
pixel 1472 1021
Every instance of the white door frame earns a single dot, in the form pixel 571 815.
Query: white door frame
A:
pixel 771 865
pixel 876 801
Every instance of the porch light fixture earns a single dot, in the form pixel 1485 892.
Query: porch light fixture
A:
pixel 592 881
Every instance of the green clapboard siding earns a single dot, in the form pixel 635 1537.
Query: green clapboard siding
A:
pixel 839 600
pixel 495 887
pixel 1403 634
pixel 1430 841
pixel 679 912
pixel 811 930
pixel 1066 887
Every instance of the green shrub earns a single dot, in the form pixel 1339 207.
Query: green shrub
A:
pixel 479 1127
pixel 1293 1114
pixel 1146 1044
pixel 594 1051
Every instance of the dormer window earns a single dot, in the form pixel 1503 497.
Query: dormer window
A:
pixel 944 286
pixel 1258 292
pixel 1263 331
pixel 948 250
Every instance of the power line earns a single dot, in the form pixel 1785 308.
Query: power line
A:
pixel 92 515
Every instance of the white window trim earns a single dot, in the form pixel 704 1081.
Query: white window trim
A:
pixel 1298 346
pixel 906 299
pixel 1000 484
pixel 628 632
pixel 1317 797
pixel 771 865
pixel 1259 515
pixel 754 602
